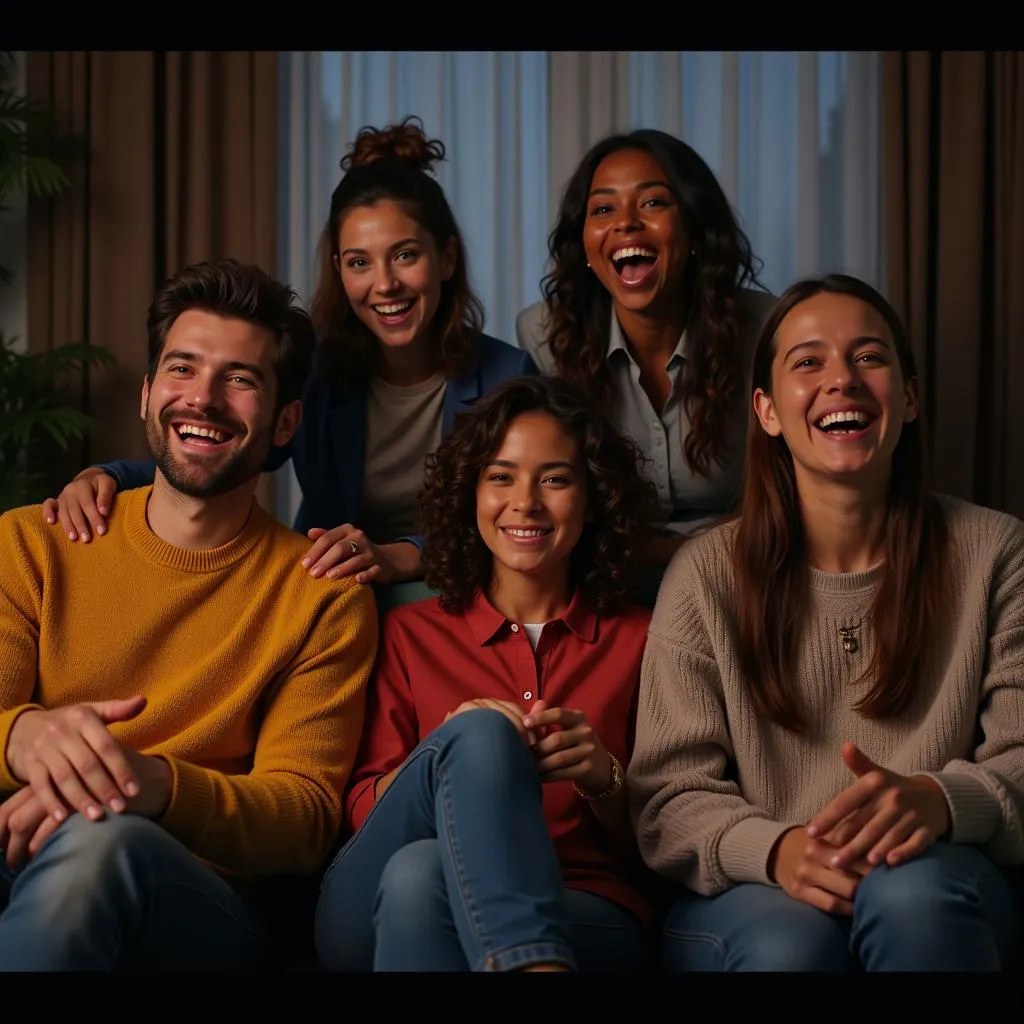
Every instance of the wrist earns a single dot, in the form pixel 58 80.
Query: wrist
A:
pixel 406 559
pixel 15 745
pixel 775 855
pixel 942 816
pixel 607 784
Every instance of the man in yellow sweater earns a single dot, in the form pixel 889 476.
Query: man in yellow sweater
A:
pixel 180 705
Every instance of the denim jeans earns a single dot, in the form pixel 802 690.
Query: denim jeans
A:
pixel 950 909
pixel 454 869
pixel 123 893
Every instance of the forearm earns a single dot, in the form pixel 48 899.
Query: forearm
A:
pixel 406 559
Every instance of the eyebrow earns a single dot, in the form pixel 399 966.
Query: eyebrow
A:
pixel 639 188
pixel 391 248
pixel 508 464
pixel 867 339
pixel 190 357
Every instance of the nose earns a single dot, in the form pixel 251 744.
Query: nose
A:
pixel 843 376
pixel 203 392
pixel 384 280
pixel 524 498
pixel 627 218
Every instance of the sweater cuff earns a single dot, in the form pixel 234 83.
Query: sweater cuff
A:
pixel 974 810
pixel 744 850
pixel 8 782
pixel 190 809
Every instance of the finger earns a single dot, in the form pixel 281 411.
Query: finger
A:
pixel 24 826
pixel 575 757
pixel 562 739
pixel 853 798
pixel 881 821
pixel 347 564
pixel 368 575
pixel 837 881
pixel 920 839
pixel 76 516
pixel 64 518
pixel 825 900
pixel 106 488
pixel 46 829
pixel 120 710
pixel 555 716
pixel 50 510
pixel 56 783
pixel 319 547
pixel 857 761
pixel 92 515
pixel 105 767
pixel 848 828
pixel 7 809
pixel 901 830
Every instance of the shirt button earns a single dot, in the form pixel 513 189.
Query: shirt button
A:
pixel 528 695
pixel 515 628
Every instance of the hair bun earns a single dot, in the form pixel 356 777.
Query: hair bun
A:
pixel 405 143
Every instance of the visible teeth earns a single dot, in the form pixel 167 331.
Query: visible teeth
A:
pixel 515 532
pixel 851 416
pixel 390 310
pixel 633 250
pixel 188 429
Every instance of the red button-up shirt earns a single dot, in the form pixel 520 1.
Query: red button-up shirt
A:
pixel 431 662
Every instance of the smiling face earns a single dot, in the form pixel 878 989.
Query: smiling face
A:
pixel 531 499
pixel 210 408
pixel 838 396
pixel 635 233
pixel 392 271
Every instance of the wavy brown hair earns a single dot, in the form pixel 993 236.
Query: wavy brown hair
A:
pixel 393 163
pixel 621 503
pixel 579 308
pixel 770 555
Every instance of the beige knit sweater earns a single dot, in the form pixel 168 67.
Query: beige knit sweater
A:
pixel 712 786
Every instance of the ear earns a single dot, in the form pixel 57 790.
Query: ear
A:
pixel 449 257
pixel 912 398
pixel 288 420
pixel 765 411
pixel 144 402
pixel 336 261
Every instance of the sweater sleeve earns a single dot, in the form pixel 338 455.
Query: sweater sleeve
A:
pixel 392 729
pixel 283 816
pixel 129 473
pixel 693 824
pixel 21 595
pixel 986 794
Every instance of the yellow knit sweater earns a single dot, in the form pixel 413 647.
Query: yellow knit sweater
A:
pixel 255 673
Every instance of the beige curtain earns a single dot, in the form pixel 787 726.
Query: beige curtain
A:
pixel 953 211
pixel 182 166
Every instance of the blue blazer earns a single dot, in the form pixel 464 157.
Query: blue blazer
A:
pixel 329 448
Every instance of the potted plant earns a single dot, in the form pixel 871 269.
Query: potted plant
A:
pixel 36 409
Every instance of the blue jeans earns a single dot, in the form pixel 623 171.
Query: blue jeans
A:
pixel 454 869
pixel 123 893
pixel 950 909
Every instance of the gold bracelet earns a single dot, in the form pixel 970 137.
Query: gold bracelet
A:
pixel 617 780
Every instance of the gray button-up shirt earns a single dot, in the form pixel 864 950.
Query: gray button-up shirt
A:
pixel 689 502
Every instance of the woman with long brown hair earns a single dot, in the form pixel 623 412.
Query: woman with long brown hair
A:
pixel 830 743
pixel 401 352
pixel 651 307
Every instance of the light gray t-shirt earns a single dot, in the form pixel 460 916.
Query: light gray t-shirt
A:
pixel 403 425
pixel 689 502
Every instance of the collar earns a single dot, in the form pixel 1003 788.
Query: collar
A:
pixel 617 343
pixel 486 622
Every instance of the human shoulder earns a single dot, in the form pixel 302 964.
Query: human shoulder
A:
pixel 976 529
pixel 499 358
pixel 531 333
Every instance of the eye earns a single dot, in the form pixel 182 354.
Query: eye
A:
pixel 556 479
pixel 872 357
pixel 656 201
pixel 498 478
pixel 177 370
pixel 246 382
pixel 599 209
pixel 806 363
pixel 407 255
pixel 356 263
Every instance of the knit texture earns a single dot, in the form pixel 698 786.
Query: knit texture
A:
pixel 255 673
pixel 713 786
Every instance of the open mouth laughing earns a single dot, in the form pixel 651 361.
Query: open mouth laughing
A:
pixel 634 263
pixel 846 423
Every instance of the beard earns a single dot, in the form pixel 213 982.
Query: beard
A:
pixel 196 479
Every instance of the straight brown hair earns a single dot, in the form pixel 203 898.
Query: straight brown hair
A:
pixel 770 557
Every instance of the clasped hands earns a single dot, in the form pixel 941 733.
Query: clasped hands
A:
pixel 563 742
pixel 881 818
pixel 70 763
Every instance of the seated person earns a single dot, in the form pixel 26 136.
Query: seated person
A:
pixel 491 822
pixel 830 741
pixel 180 706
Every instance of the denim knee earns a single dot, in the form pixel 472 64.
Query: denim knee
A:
pixel 410 885
pixel 485 739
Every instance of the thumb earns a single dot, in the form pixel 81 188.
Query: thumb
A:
pixel 106 488
pixel 857 761
pixel 118 710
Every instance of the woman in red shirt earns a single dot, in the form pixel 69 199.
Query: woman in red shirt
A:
pixel 492 831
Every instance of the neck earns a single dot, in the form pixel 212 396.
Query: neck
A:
pixel 410 364
pixel 844 525
pixel 650 336
pixel 530 598
pixel 198 523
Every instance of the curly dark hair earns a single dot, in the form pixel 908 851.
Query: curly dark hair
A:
pixel 393 163
pixel 579 307
pixel 622 504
